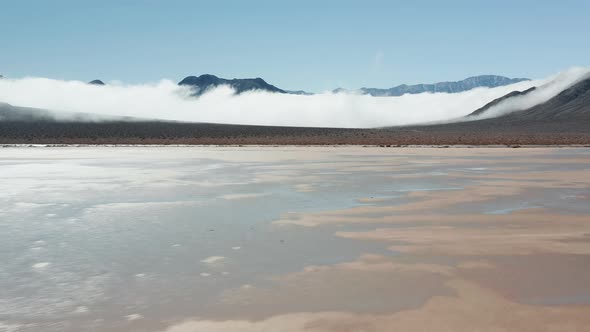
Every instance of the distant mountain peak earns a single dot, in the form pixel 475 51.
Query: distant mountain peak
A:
pixel 205 82
pixel 96 82
pixel 299 92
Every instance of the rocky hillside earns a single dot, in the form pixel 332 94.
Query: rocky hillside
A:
pixel 572 104
pixel 206 82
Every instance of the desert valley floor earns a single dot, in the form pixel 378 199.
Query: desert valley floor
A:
pixel 187 239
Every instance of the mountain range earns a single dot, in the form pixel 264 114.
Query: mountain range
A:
pixel 488 81
pixel 205 82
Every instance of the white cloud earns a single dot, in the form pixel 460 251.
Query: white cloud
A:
pixel 378 61
pixel 166 100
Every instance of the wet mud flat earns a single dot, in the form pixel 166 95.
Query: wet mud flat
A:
pixel 294 239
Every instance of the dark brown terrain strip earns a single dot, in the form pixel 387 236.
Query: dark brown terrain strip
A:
pixel 483 132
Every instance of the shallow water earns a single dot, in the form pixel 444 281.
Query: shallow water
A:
pixel 143 238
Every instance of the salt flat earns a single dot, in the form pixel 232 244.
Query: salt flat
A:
pixel 294 238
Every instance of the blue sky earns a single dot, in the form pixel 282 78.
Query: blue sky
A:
pixel 311 45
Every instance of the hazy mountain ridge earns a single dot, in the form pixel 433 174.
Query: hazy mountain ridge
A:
pixel 488 81
pixel 16 113
pixel 206 81
pixel 9 113
pixel 203 83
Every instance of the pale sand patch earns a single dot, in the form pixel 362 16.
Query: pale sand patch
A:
pixel 555 279
pixel 406 163
pixel 425 200
pixel 377 263
pixel 412 159
pixel 213 259
pixel 231 197
pixel 375 199
pixel 476 264
pixel 473 309
pixel 558 237
pixel 304 188
pixel 133 317
pixel 443 199
pixel 81 310
pixel 490 187
pixel 372 216
pixel 390 161
pixel 298 175
pixel 40 266
pixel 371 283
pixel 11 327
pixel 538 179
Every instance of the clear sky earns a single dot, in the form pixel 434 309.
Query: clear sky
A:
pixel 311 45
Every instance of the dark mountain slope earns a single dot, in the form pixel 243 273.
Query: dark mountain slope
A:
pixel 496 101
pixel 15 113
pixel 572 104
pixel 9 113
pixel 205 82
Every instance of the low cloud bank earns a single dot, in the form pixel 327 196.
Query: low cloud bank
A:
pixel 166 100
